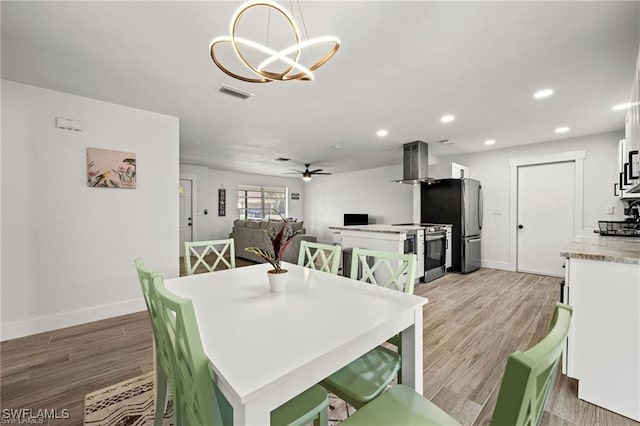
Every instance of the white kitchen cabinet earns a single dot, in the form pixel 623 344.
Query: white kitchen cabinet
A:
pixel 628 176
pixel 603 346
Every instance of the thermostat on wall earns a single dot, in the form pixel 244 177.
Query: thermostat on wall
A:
pixel 68 124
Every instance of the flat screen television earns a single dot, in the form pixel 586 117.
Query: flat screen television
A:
pixel 356 219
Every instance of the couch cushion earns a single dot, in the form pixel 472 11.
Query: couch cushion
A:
pixel 255 224
pixel 239 223
pixel 296 226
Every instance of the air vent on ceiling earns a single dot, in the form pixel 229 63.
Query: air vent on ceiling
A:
pixel 236 93
pixel 281 159
pixel 445 142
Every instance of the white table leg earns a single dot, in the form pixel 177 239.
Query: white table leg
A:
pixel 412 353
pixel 254 413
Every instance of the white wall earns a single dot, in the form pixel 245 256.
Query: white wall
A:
pixel 212 226
pixel 366 191
pixel 492 169
pixel 67 249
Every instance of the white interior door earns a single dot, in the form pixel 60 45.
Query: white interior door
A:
pixel 546 197
pixel 186 213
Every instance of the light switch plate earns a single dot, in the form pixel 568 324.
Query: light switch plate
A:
pixel 608 210
pixel 497 211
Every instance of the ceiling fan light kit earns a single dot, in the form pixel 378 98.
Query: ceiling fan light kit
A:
pixel 307 174
pixel 260 72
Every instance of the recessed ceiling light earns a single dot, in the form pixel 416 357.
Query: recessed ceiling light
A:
pixel 447 118
pixel 382 132
pixel 544 93
pixel 489 142
pixel 620 107
pixel 563 129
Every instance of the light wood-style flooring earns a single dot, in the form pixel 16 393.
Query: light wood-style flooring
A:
pixel 471 323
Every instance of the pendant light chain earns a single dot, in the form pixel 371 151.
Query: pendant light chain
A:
pixel 304 25
pixel 268 26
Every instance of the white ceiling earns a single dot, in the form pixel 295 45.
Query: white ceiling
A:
pixel 402 65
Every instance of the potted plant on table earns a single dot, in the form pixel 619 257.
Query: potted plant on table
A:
pixel 280 240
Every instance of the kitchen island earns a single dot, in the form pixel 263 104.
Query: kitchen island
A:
pixel 375 237
pixel 390 238
pixel 602 283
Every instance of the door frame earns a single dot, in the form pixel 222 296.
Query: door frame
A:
pixel 194 204
pixel 578 158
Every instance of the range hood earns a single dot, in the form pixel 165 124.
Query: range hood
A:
pixel 415 163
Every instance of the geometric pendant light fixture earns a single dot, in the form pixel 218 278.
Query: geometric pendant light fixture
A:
pixel 264 72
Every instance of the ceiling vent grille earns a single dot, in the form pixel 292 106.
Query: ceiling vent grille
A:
pixel 445 142
pixel 236 93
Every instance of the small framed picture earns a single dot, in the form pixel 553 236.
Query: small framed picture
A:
pixel 222 202
pixel 295 195
pixel 111 169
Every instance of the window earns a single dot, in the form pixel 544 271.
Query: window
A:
pixel 259 202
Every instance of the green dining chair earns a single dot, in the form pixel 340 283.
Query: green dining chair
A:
pixel 200 249
pixel 387 269
pixel 367 377
pixel 323 257
pixel 202 402
pixel 164 362
pixel 525 386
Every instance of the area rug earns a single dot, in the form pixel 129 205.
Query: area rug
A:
pixel 131 403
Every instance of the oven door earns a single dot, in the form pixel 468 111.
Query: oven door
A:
pixel 435 255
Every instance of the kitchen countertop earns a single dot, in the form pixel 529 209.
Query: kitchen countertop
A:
pixel 605 249
pixel 386 229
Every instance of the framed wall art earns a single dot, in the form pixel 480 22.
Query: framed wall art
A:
pixel 222 201
pixel 111 169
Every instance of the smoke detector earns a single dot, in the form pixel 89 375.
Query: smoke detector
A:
pixel 236 93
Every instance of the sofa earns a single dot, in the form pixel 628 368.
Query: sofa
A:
pixel 253 233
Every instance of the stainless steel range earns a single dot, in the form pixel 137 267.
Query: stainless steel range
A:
pixel 435 252
pixel 431 250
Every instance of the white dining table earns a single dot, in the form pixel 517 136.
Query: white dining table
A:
pixel 266 348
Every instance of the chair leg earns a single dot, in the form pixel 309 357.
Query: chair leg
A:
pixel 162 395
pixel 321 420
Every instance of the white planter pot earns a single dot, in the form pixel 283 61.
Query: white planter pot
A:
pixel 278 282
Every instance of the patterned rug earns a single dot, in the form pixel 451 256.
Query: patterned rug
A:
pixel 131 403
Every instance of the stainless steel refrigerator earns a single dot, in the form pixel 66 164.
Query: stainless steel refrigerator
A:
pixel 457 202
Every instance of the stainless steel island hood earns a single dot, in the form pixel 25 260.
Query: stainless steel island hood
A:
pixel 415 163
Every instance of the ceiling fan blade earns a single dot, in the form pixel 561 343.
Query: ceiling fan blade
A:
pixel 297 171
pixel 320 173
pixel 315 171
pixel 292 173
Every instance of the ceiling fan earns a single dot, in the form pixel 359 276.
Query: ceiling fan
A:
pixel 306 174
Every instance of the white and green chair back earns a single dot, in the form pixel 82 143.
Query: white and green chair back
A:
pixel 365 378
pixel 387 269
pixel 323 257
pixel 164 362
pixel 219 249
pixel 526 383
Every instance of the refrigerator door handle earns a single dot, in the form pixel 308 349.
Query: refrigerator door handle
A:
pixel 480 207
pixel 475 240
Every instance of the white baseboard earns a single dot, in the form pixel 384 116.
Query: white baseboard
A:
pixel 16 329
pixel 493 264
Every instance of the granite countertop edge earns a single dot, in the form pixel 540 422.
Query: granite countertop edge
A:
pixel 362 229
pixel 604 249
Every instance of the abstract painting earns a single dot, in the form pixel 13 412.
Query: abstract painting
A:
pixel 111 169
